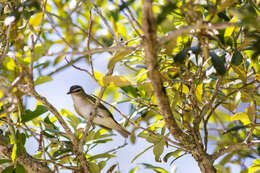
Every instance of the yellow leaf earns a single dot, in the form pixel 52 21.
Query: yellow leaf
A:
pixel 1 94
pixel 117 57
pixel 255 166
pixel 258 76
pixel 199 92
pixel 99 77
pixel 240 72
pixel 10 64
pixel 239 116
pixel 181 87
pixel 118 81
pixel 229 31
pixel 36 19
pixel 141 75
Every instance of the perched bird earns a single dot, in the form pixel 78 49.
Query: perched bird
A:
pixel 84 105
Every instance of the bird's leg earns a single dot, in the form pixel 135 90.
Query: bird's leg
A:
pixel 90 120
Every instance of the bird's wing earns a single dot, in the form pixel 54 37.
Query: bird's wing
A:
pixel 93 100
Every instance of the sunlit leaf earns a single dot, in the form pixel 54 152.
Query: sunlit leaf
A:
pixel 134 170
pixel 199 90
pixel 174 154
pixel 239 116
pixel 99 76
pixel 42 79
pixel 118 57
pixel 9 63
pixel 36 19
pixel 142 75
pixel 118 81
pixel 182 87
pixel 155 168
pixel 255 166
pixel 14 153
pixel 240 72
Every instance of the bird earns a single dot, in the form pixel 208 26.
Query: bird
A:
pixel 84 105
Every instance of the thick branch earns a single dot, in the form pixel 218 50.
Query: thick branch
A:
pixel 150 48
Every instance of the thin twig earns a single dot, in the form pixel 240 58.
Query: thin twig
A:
pixel 80 69
pixel 187 29
pixel 93 51
pixel 7 42
pixel 106 23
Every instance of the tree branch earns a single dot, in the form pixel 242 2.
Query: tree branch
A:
pixel 150 48
pixel 187 29
pixel 233 147
pixel 31 164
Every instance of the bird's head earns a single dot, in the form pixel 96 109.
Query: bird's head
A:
pixel 75 89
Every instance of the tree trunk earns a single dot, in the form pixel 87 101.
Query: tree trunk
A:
pixel 205 163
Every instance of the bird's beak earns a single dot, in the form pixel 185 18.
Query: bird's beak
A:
pixel 69 92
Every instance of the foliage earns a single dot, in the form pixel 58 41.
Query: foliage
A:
pixel 208 55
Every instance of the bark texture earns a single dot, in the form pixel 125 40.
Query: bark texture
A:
pixel 150 49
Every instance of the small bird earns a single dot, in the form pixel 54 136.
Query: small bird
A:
pixel 84 105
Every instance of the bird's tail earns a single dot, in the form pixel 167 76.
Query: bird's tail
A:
pixel 122 131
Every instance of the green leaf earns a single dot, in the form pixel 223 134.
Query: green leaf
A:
pixel 29 115
pixel 138 155
pixel 2 161
pixel 118 81
pixel 117 57
pixel 19 168
pixel 240 116
pixel 218 63
pixel 130 90
pixel 199 90
pixel 42 79
pixel 237 58
pixel 14 153
pixel 255 166
pixel 9 169
pixel 134 170
pixel 61 151
pixel 155 168
pixel 9 63
pixel 180 57
pixel 103 155
pixel 158 149
pixel 174 154
pixel 102 164
pixel 149 137
pixel 93 167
